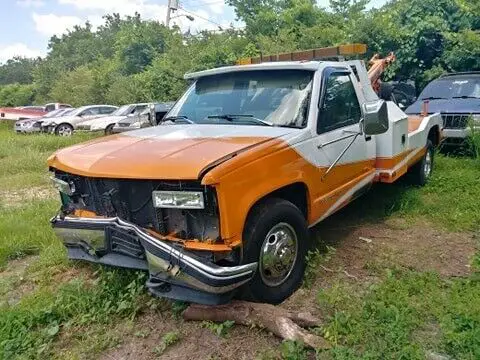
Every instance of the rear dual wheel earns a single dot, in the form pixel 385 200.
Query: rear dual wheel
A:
pixel 422 171
pixel 276 236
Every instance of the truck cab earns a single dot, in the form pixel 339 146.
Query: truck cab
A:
pixel 216 201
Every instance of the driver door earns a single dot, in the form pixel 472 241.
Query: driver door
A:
pixel 345 156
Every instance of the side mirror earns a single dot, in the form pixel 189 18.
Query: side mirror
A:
pixel 375 117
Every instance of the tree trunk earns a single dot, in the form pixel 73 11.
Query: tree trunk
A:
pixel 284 324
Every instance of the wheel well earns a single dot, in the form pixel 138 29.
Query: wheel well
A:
pixel 296 193
pixel 434 135
pixel 64 123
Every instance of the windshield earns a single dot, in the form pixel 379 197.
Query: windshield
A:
pixel 54 113
pixel 123 110
pixel 265 97
pixel 452 87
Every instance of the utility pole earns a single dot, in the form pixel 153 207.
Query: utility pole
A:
pixel 172 6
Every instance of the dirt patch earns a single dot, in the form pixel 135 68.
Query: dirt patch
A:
pixel 362 252
pixel 16 197
pixel 14 283
pixel 196 342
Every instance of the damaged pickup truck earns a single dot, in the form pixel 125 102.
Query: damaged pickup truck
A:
pixel 218 200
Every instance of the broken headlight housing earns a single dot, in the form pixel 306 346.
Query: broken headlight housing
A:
pixel 178 199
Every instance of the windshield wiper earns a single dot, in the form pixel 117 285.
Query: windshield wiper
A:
pixel 232 117
pixel 178 117
pixel 465 97
pixel 433 98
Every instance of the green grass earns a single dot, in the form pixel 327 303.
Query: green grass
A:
pixel 450 200
pixel 402 315
pixel 23 157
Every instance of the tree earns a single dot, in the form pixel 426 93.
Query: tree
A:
pixel 17 70
pixel 17 95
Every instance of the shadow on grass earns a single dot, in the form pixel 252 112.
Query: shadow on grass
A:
pixel 381 202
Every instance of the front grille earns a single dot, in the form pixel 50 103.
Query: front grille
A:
pixel 455 121
pixel 123 242
pixel 131 200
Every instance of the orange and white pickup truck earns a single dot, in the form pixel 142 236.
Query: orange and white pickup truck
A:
pixel 218 200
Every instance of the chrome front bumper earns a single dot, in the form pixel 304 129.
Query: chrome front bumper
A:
pixel 131 246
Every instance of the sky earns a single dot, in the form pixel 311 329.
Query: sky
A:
pixel 27 25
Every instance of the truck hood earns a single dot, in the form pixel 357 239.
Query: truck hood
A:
pixel 165 152
pixel 468 106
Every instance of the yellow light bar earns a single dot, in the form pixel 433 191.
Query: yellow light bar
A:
pixel 314 54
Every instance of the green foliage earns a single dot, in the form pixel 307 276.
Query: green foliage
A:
pixel 28 328
pixel 17 70
pixel 315 259
pixel 383 322
pixel 17 94
pixel 219 329
pixel 130 59
pixel 292 350
pixel 167 340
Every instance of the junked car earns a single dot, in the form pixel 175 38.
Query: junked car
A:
pixel 34 125
pixel 457 97
pixel 107 123
pixel 219 202
pixel 65 125
pixel 152 115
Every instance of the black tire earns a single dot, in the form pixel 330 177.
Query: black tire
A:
pixel 264 218
pixel 420 173
pixel 64 130
pixel 109 129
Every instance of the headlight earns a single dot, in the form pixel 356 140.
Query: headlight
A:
pixel 476 119
pixel 67 188
pixel 178 199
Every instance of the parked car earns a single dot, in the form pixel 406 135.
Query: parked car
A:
pixel 107 123
pixel 35 124
pixel 65 125
pixel 457 97
pixel 29 112
pixel 152 115
pixel 55 106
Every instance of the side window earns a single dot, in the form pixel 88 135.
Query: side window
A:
pixel 105 110
pixel 50 107
pixel 139 109
pixel 340 105
pixel 88 112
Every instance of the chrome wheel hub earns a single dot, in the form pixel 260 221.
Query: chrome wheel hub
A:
pixel 428 164
pixel 64 131
pixel 278 254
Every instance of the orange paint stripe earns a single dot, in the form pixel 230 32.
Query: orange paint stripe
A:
pixel 390 163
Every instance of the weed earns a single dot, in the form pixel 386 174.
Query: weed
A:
pixel 168 339
pixel 219 329
pixel 384 322
pixel 314 259
pixel 178 307
pixel 292 350
pixel 32 325
pixel 473 139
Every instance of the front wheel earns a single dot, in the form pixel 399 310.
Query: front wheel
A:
pixel 64 130
pixel 109 129
pixel 422 171
pixel 276 236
